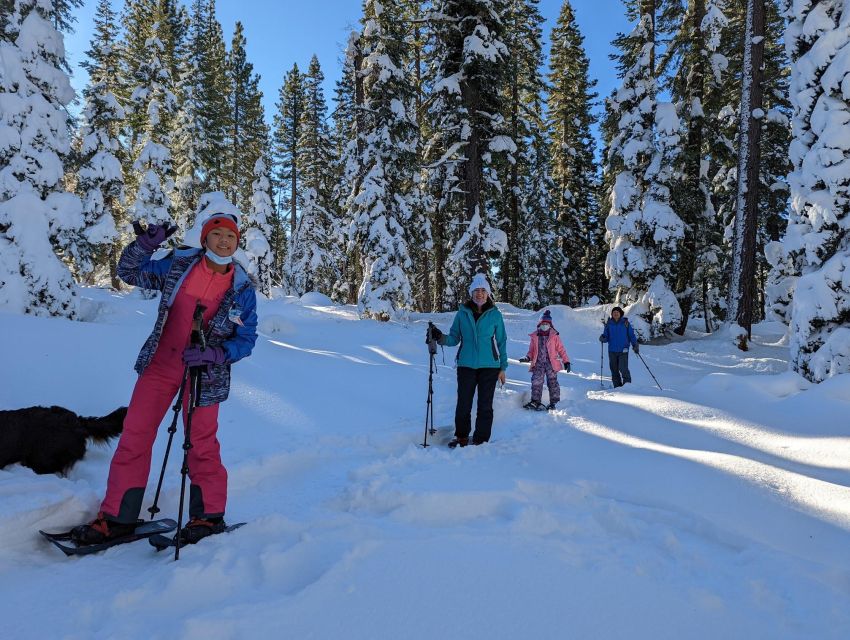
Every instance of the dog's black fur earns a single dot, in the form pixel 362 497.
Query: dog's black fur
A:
pixel 52 439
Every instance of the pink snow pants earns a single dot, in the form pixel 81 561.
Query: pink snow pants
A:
pixel 153 395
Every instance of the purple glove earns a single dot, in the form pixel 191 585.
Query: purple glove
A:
pixel 149 239
pixel 194 356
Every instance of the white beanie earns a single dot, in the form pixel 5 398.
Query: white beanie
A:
pixel 480 282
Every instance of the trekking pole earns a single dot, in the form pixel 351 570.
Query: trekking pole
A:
pixel 648 369
pixel 199 339
pixel 601 355
pixel 429 406
pixel 178 404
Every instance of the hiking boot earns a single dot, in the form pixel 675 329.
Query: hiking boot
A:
pixel 551 406
pixel 197 529
pixel 101 530
pixel 458 442
pixel 534 405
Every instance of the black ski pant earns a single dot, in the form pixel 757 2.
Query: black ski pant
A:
pixel 619 363
pixel 468 380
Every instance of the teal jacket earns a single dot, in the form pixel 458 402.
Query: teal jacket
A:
pixel 483 344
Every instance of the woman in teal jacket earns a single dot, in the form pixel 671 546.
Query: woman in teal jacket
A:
pixel 481 360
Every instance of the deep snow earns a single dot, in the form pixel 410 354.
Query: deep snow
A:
pixel 718 508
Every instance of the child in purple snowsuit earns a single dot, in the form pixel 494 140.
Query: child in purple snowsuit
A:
pixel 547 356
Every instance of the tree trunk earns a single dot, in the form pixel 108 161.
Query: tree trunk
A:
pixel 439 231
pixel 472 175
pixel 694 200
pixel 742 288
pixel 359 129
pixel 424 271
pixel 512 277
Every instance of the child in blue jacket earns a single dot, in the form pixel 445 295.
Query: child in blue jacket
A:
pixel 618 333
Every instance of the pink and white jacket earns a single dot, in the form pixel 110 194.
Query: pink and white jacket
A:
pixel 557 354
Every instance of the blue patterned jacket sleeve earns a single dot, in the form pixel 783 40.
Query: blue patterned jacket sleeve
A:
pixel 242 343
pixel 136 268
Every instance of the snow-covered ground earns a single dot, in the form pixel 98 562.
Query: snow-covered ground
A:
pixel 717 508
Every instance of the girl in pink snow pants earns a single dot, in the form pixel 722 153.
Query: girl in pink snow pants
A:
pixel 186 277
pixel 547 356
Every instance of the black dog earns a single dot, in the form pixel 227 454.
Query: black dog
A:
pixel 52 439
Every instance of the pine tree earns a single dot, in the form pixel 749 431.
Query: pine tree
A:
pixel 347 117
pixel 741 289
pixel 418 227
pixel 258 228
pixel 815 252
pixel 100 182
pixel 381 206
pixel 468 131
pixel 531 268
pixel 315 256
pixel 775 163
pixel 642 228
pixel 153 96
pixel 185 138
pixel 248 133
pixel 211 93
pixel 573 166
pixel 285 137
pixel 34 208
pixel 695 85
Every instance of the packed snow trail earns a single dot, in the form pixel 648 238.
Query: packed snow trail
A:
pixel 717 508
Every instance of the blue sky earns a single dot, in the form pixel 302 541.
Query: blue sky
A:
pixel 283 32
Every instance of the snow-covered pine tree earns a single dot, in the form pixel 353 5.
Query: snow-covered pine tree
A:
pixel 814 255
pixel 531 268
pixel 154 97
pixel 521 81
pixel 186 139
pixel 35 210
pixel 468 130
pixel 541 261
pixel 775 163
pixel 258 230
pixel 421 244
pixel 248 133
pixel 211 93
pixel 285 134
pixel 694 76
pixel 642 228
pixel 100 179
pixel 381 206
pixel 314 257
pixel 347 117
pixel 574 170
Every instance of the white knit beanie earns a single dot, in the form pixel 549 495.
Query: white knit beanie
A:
pixel 480 282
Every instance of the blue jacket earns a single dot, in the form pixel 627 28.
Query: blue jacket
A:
pixel 237 338
pixel 619 335
pixel 483 344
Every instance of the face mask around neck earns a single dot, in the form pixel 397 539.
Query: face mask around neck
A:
pixel 217 258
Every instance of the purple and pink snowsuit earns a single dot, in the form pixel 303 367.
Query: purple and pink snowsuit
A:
pixel 546 356
pixel 160 378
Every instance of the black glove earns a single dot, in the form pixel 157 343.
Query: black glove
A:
pixel 602 339
pixel 567 367
pixel 525 359
pixel 433 333
pixel 636 347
